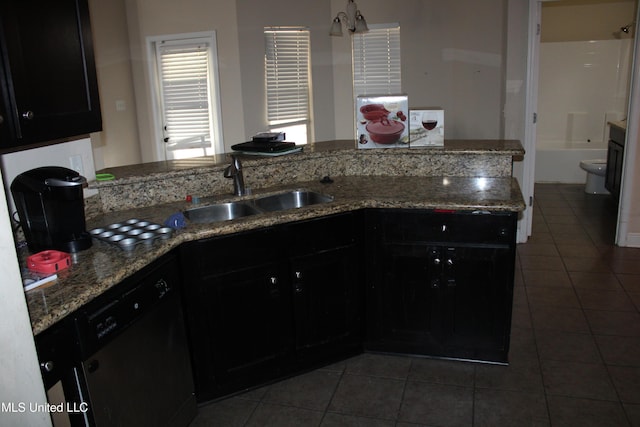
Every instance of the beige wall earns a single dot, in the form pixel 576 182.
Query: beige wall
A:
pixel 258 14
pixel 162 17
pixel 572 20
pixel 453 57
pixel 118 143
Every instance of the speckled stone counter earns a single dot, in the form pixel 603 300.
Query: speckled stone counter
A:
pixel 161 182
pixel 103 265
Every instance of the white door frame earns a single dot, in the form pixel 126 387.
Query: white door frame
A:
pixel 531 106
pixel 623 236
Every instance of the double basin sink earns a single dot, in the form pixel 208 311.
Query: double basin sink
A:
pixel 238 209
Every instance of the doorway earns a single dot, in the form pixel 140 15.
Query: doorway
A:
pixel 602 38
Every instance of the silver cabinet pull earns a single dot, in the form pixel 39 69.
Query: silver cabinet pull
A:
pixel 28 115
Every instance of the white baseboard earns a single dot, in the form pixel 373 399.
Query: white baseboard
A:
pixel 633 240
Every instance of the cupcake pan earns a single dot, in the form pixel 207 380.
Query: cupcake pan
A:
pixel 131 232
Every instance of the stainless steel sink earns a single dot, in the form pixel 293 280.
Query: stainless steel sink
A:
pixel 220 212
pixel 290 200
pixel 277 202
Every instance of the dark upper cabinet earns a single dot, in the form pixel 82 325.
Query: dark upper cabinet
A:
pixel 48 75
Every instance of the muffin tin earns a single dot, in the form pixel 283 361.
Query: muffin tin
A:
pixel 129 233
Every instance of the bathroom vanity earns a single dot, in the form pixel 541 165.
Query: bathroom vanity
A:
pixel 615 157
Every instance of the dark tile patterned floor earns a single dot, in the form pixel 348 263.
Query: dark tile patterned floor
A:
pixel 574 359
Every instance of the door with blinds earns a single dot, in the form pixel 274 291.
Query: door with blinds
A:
pixel 187 97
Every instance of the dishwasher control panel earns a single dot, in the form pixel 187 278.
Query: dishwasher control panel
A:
pixel 106 317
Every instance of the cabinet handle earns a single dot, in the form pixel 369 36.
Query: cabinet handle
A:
pixel 47 366
pixel 436 261
pixel 273 280
pixel 435 283
pixel 28 115
pixel 298 274
pixel 298 288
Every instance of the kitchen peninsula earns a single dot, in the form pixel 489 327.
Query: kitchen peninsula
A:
pixel 464 175
pixel 412 252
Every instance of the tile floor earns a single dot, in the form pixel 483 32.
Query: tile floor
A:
pixel 575 352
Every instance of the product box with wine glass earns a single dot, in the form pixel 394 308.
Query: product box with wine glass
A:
pixel 426 127
pixel 382 121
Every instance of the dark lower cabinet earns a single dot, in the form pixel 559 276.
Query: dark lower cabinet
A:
pixel 613 177
pixel 615 159
pixel 237 310
pixel 440 284
pixel 266 304
pixel 326 284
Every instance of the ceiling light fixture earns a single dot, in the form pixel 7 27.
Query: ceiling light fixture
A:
pixel 353 20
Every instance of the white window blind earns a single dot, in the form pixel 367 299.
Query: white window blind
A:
pixel 287 73
pixel 376 60
pixel 183 69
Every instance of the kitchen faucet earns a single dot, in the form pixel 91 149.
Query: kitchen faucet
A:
pixel 234 170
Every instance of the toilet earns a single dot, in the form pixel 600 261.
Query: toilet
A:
pixel 596 171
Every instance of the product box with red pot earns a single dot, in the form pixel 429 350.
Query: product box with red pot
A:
pixel 426 127
pixel 382 121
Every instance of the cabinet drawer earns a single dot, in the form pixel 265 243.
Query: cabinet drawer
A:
pixel 225 254
pixel 431 226
pixel 322 234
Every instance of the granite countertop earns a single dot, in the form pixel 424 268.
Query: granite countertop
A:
pixel 148 171
pixel 103 265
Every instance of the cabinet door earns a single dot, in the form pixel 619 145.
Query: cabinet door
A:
pixel 407 303
pixel 50 65
pixel 327 303
pixel 244 322
pixel 477 283
pixel 238 308
pixel 7 128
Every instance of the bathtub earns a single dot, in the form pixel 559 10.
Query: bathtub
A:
pixel 559 161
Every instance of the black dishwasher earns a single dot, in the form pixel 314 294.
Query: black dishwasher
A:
pixel 134 352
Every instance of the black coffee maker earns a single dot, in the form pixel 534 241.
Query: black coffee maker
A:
pixel 50 205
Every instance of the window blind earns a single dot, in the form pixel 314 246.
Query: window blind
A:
pixel 376 60
pixel 184 83
pixel 287 69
